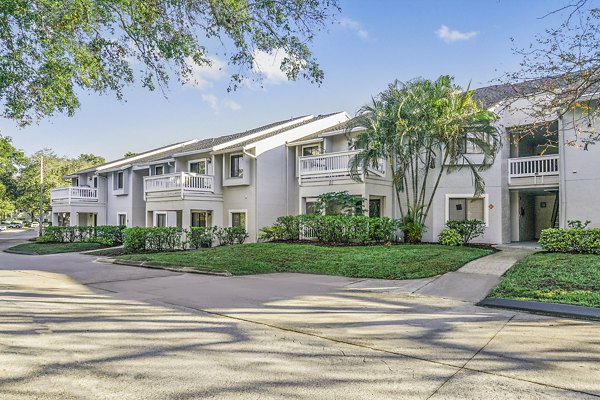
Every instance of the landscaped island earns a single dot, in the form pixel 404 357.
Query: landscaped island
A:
pixel 376 261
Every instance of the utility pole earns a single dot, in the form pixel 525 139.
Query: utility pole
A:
pixel 41 216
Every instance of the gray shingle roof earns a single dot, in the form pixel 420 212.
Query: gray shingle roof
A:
pixel 278 131
pixel 340 126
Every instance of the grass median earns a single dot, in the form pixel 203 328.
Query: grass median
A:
pixel 54 248
pixel 553 278
pixel 384 262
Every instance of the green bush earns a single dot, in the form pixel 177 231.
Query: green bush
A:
pixel 469 229
pixel 573 240
pixel 106 235
pixel 201 236
pixel 165 238
pixel 231 235
pixel 332 229
pixel 450 237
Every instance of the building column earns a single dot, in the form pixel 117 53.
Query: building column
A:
pixel 73 218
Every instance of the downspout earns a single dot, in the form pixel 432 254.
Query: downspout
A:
pixel 561 173
pixel 287 184
pixel 245 152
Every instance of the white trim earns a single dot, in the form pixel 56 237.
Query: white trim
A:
pixel 155 218
pixel 303 142
pixel 159 166
pixel 245 211
pixel 486 202
pixel 119 215
pixel 144 155
pixel 318 145
pixel 199 160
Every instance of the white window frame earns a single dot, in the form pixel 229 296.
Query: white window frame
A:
pixel 156 214
pixel 95 182
pixel 156 167
pixel 317 145
pixel 241 176
pixel 486 202
pixel 206 213
pixel 199 160
pixel 117 180
pixel 119 217
pixel 231 212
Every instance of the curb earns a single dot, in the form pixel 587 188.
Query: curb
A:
pixel 144 264
pixel 552 309
pixel 23 253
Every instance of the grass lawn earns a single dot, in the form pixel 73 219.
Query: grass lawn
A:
pixel 389 262
pixel 54 248
pixel 553 278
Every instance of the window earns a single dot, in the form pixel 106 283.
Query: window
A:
pixel 159 170
pixel 198 167
pixel 462 208
pixel 161 219
pixel 374 207
pixel 95 181
pixel 235 164
pixel 310 207
pixel 238 219
pixel 75 181
pixel 120 180
pixel 199 218
pixel 122 217
pixel 469 147
pixel 311 150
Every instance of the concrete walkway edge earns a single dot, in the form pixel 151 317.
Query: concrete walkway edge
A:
pixel 553 309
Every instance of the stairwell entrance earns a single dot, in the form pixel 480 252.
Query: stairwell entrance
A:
pixel 533 210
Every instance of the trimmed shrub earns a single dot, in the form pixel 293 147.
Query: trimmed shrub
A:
pixel 332 229
pixel 469 229
pixel 106 235
pixel 573 240
pixel 231 235
pixel 201 236
pixel 450 237
pixel 165 238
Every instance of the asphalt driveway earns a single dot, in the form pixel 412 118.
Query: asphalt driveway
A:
pixel 74 328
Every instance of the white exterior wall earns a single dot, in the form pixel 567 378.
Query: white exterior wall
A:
pixel 130 200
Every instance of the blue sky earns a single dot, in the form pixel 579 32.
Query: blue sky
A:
pixel 373 43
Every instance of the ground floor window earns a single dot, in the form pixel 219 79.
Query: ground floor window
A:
pixel 238 218
pixel 374 208
pixel 161 220
pixel 199 218
pixel 122 218
pixel 310 207
pixel 462 208
pixel 63 219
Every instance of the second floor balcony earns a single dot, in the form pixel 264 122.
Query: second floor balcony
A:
pixel 179 183
pixel 533 171
pixel 331 166
pixel 73 195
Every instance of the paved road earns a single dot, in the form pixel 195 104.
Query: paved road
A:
pixel 74 328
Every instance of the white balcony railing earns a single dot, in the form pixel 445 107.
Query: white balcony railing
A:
pixel 182 181
pixel 73 194
pixel 527 167
pixel 331 166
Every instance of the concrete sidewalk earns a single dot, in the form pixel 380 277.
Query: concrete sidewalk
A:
pixel 474 281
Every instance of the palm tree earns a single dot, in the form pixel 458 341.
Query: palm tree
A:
pixel 424 129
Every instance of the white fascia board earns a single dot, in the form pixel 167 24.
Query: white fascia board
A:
pixel 116 168
pixel 132 159
pixel 192 152
pixel 262 132
pixel 144 165
pixel 299 132
pixel 303 142
pixel 236 149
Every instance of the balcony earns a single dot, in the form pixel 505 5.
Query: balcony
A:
pixel 182 184
pixel 533 171
pixel 331 166
pixel 73 195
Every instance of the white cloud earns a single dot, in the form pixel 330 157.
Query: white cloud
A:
pixel 216 105
pixel 231 105
pixel 269 65
pixel 355 26
pixel 212 101
pixel 204 76
pixel 449 36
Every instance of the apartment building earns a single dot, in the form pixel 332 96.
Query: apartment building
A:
pixel 232 180
pixel 250 178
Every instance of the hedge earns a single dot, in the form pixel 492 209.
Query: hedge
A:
pixel 573 240
pixel 332 229
pixel 171 238
pixel 468 229
pixel 108 235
